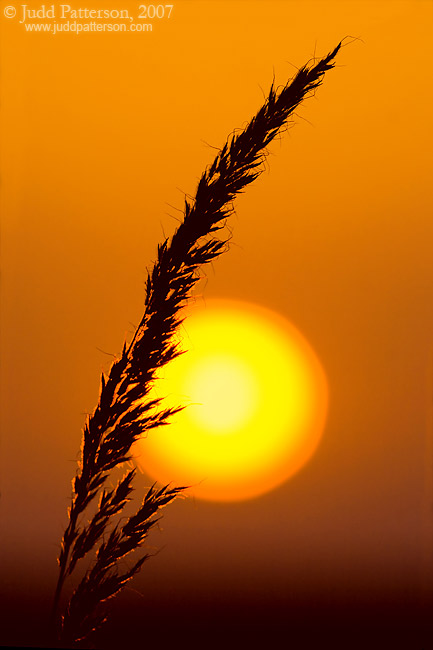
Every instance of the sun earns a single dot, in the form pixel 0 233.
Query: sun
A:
pixel 255 397
pixel 225 388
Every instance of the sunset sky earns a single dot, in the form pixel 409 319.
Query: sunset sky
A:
pixel 103 134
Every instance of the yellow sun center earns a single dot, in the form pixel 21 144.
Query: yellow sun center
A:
pixel 255 400
pixel 225 390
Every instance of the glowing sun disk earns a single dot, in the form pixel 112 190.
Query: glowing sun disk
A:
pixel 225 390
pixel 256 400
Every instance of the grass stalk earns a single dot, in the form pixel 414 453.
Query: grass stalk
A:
pixel 125 411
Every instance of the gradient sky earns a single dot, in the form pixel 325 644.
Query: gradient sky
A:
pixel 102 136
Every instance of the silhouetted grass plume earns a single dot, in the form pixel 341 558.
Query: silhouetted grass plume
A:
pixel 125 411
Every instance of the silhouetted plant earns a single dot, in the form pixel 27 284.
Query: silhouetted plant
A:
pixel 125 411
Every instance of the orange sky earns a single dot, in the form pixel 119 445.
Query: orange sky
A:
pixel 102 135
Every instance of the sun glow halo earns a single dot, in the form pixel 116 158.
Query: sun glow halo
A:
pixel 255 397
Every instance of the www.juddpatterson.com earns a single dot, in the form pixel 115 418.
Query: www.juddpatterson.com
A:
pixel 65 18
